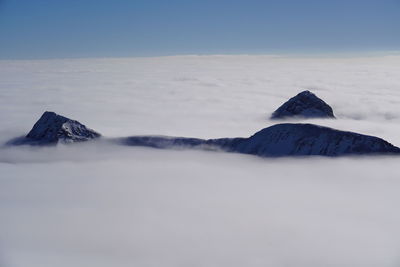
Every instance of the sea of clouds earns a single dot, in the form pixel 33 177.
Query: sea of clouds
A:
pixel 97 204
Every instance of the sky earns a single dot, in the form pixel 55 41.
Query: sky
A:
pixel 100 28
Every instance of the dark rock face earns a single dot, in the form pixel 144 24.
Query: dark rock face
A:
pixel 288 139
pixel 52 128
pixel 162 141
pixel 292 139
pixel 306 105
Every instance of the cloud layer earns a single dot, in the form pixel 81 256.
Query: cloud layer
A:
pixel 102 205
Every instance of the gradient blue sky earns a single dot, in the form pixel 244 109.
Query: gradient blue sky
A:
pixel 115 28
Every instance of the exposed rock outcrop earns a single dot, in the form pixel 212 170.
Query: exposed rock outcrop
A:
pixel 295 139
pixel 288 139
pixel 304 105
pixel 52 128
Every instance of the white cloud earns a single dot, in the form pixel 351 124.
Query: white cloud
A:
pixel 103 205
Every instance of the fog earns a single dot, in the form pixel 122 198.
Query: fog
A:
pixel 99 204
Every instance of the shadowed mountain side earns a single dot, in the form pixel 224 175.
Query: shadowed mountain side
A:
pixel 52 128
pixel 304 105
pixel 286 139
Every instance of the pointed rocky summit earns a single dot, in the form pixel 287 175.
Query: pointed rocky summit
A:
pixel 52 128
pixel 306 105
pixel 286 139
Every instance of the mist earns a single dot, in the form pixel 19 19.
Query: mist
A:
pixel 100 204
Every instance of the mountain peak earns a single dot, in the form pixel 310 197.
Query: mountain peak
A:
pixel 305 104
pixel 298 139
pixel 52 128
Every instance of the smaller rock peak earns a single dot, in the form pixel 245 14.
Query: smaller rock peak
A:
pixel 305 104
pixel 52 128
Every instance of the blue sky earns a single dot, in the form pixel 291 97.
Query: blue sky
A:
pixel 115 28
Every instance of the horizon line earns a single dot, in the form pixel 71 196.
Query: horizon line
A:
pixel 332 54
